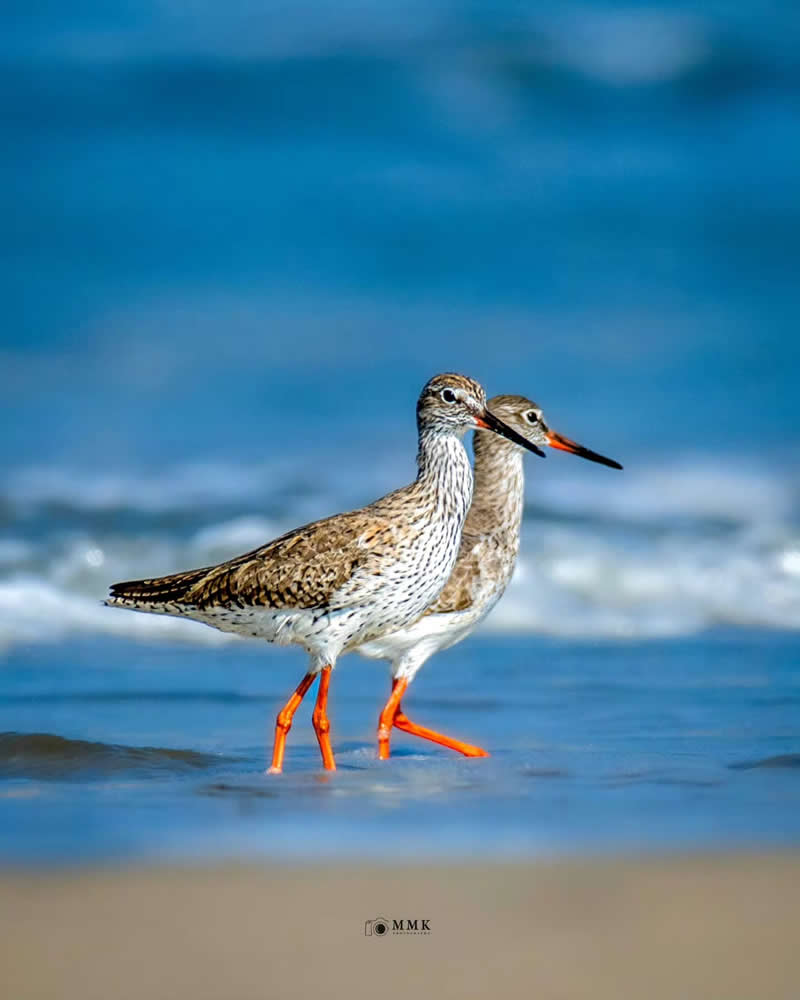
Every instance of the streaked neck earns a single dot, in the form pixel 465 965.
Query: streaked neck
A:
pixel 444 468
pixel 499 492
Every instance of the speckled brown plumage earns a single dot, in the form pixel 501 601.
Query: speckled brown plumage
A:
pixel 379 566
pixel 293 571
pixel 333 584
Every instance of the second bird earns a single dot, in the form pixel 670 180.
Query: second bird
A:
pixel 485 563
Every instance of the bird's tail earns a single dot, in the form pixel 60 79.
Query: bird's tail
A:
pixel 150 594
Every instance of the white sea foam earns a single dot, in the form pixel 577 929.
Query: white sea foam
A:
pixel 692 487
pixel 651 552
pixel 34 610
pixel 573 584
pixel 185 486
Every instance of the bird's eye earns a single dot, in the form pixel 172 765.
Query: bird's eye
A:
pixel 448 396
pixel 532 417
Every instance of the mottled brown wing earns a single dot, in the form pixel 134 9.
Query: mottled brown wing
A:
pixel 302 569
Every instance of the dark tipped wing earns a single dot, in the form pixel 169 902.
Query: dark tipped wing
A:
pixel 160 590
pixel 302 569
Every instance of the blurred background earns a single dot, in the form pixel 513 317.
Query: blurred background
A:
pixel 237 240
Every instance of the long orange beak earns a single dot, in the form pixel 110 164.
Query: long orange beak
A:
pixel 564 444
pixel 487 421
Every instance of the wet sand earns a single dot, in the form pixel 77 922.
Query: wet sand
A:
pixel 706 927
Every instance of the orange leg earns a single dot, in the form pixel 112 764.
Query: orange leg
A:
pixel 402 722
pixel 322 726
pixel 284 722
pixel 386 720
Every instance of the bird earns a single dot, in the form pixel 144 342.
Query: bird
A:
pixel 334 584
pixel 484 566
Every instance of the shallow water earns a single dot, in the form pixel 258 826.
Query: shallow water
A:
pixel 130 751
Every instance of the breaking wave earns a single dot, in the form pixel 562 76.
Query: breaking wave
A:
pixel 664 551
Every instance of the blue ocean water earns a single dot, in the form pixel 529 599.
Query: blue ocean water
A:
pixel 235 243
pixel 159 754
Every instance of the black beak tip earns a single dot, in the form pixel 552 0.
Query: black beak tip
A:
pixel 606 461
pixel 602 460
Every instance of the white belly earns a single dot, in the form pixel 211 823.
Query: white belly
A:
pixel 322 634
pixel 380 605
pixel 408 648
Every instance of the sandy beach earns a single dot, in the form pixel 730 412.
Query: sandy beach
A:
pixel 700 926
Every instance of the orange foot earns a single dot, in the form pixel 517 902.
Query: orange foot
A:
pixel 393 715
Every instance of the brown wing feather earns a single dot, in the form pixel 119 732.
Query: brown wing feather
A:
pixel 301 569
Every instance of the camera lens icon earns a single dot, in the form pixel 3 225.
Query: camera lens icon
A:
pixel 379 927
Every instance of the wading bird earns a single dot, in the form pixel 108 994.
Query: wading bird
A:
pixel 337 583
